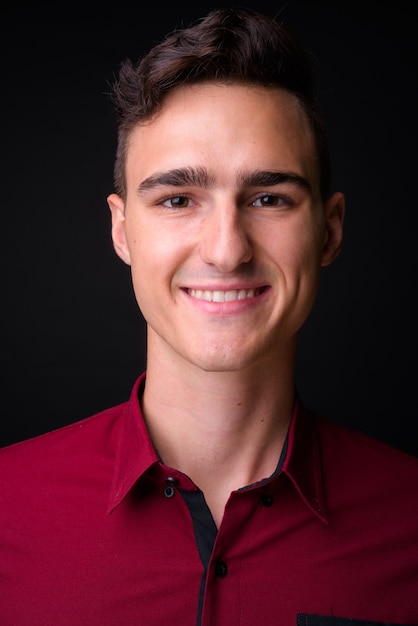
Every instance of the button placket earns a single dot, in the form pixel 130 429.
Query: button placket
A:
pixel 266 500
pixel 221 569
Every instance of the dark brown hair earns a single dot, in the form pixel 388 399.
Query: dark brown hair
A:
pixel 228 45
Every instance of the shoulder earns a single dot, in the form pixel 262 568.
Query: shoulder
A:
pixel 359 443
pixel 72 443
pixel 369 464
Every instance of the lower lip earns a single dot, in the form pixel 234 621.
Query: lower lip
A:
pixel 234 307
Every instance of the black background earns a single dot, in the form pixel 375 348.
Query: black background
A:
pixel 72 339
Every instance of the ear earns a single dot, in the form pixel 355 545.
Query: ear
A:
pixel 117 209
pixel 334 220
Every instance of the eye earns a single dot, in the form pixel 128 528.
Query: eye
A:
pixel 271 200
pixel 176 202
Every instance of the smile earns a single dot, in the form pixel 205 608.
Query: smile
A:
pixel 223 296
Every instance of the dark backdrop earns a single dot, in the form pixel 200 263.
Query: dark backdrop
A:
pixel 72 340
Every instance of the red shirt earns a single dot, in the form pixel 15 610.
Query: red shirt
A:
pixel 95 531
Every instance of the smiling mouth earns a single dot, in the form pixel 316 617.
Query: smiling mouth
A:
pixel 224 296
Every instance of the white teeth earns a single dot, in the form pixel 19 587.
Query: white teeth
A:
pixel 222 296
pixel 218 296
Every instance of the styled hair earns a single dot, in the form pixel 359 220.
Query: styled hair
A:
pixel 228 45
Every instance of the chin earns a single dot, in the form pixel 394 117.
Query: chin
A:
pixel 226 361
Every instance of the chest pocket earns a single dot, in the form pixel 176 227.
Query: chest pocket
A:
pixel 303 619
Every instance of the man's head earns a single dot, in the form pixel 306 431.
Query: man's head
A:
pixel 223 211
pixel 227 46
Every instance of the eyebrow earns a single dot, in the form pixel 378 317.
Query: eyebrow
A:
pixel 185 176
pixel 271 178
pixel 200 177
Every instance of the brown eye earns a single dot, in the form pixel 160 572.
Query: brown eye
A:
pixel 268 200
pixel 271 201
pixel 177 202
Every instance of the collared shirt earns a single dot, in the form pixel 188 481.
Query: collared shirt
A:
pixel 96 531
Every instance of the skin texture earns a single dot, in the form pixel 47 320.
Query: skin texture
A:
pixel 202 215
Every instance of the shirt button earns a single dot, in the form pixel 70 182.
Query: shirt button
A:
pixel 220 569
pixel 169 491
pixel 169 488
pixel 266 500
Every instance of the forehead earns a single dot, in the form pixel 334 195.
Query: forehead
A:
pixel 225 128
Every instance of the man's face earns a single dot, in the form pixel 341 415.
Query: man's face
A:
pixel 223 226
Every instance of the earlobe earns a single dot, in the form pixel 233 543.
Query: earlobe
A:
pixel 334 220
pixel 117 209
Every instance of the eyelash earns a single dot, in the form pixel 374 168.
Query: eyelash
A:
pixel 277 199
pixel 171 198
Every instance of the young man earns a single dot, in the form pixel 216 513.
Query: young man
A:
pixel 213 496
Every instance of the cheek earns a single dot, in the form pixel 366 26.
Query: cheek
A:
pixel 310 241
pixel 156 251
pixel 299 248
pixel 299 262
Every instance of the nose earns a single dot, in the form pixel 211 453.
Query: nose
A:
pixel 225 241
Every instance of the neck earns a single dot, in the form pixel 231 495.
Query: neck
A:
pixel 224 430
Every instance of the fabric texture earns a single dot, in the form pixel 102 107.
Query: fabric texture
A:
pixel 96 531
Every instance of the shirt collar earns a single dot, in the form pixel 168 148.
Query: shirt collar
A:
pixel 302 463
pixel 136 453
